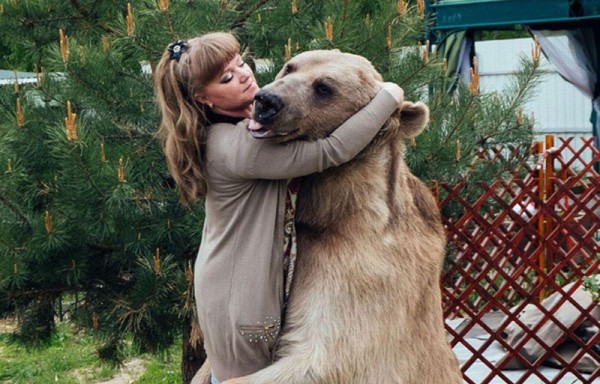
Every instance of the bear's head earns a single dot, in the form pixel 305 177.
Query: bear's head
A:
pixel 316 91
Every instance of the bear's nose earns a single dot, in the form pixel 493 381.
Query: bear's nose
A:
pixel 266 106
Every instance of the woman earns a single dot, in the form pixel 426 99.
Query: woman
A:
pixel 205 92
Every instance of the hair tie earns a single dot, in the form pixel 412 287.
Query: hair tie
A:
pixel 176 49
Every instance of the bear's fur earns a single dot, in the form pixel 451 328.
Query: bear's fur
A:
pixel 365 305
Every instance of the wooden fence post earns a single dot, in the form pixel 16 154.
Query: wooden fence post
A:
pixel 549 171
pixel 541 226
pixel 545 220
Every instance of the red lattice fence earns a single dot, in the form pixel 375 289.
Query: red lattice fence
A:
pixel 517 244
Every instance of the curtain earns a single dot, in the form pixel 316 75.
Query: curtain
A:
pixel 458 48
pixel 575 53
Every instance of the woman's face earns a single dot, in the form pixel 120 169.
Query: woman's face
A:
pixel 232 92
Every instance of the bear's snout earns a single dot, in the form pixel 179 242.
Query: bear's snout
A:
pixel 266 106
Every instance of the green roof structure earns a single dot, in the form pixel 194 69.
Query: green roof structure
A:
pixel 493 14
pixel 568 32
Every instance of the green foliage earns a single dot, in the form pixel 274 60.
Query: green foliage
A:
pixel 592 284
pixel 70 223
pixel 63 354
pixel 471 124
pixel 88 215
pixel 514 32
pixel 70 356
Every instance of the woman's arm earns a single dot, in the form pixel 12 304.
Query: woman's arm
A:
pixel 267 160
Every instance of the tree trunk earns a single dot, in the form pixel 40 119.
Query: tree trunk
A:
pixel 193 354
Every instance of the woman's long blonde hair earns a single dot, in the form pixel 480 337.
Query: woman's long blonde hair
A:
pixel 183 123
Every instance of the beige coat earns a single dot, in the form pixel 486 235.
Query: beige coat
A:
pixel 239 269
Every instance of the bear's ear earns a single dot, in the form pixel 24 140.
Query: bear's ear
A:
pixel 413 118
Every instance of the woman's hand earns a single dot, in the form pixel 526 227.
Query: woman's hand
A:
pixel 394 90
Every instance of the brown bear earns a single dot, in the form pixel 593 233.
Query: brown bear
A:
pixel 365 305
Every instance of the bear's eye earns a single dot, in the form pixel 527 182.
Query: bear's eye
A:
pixel 323 89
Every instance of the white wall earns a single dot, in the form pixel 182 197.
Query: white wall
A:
pixel 559 108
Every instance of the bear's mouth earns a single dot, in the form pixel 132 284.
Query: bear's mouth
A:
pixel 259 131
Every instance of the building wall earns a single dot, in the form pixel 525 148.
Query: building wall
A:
pixel 559 108
pixel 7 77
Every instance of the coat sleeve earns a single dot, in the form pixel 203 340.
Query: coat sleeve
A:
pixel 262 159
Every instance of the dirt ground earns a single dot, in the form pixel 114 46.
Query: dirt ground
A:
pixel 8 325
pixel 129 373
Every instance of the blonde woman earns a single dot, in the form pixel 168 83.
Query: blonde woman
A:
pixel 205 92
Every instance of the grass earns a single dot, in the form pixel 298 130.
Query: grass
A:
pixel 71 358
pixel 161 372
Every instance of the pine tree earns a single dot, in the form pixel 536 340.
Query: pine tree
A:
pixel 86 204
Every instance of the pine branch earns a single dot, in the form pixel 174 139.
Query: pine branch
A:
pixel 14 209
pixel 79 9
pixel 344 18
pixel 38 292
pixel 169 24
pixel 242 19
pixel 101 96
pixel 519 97
pixel 92 87
pixel 101 247
pixel 150 50
pixel 86 15
pixel 86 173
pixel 106 29
pixel 139 78
pixel 9 108
pixel 30 23
pixel 460 120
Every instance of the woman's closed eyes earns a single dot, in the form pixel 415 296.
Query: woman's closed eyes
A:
pixel 229 75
